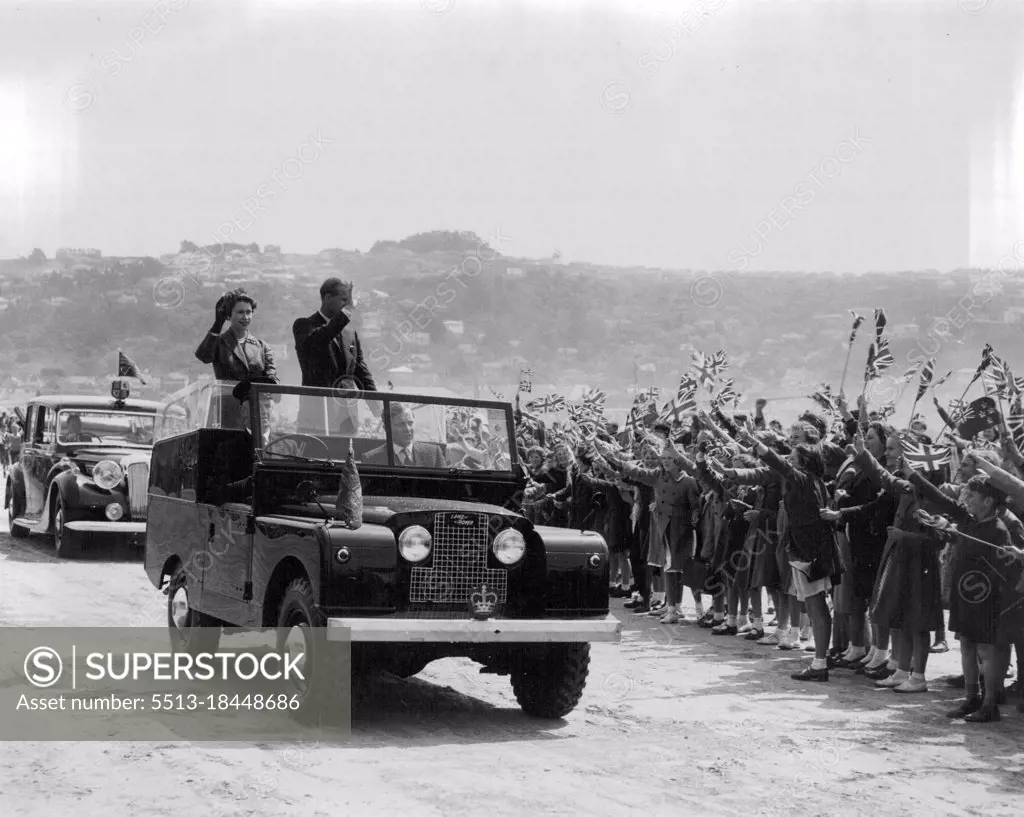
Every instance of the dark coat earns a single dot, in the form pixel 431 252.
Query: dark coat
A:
pixel 908 589
pixel 676 508
pixel 329 352
pixel 424 455
pixel 808 537
pixel 867 513
pixel 229 361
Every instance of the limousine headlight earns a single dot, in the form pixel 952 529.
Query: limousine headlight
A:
pixel 414 543
pixel 107 474
pixel 509 546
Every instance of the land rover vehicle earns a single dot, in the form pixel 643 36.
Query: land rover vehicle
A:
pixel 83 470
pixel 439 564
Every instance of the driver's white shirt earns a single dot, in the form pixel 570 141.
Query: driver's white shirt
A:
pixel 398 453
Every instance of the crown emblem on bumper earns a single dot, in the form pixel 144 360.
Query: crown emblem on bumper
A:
pixel 483 602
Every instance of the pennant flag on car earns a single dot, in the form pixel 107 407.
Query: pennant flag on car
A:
pixel 126 367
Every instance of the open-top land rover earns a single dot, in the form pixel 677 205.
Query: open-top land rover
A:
pixel 250 525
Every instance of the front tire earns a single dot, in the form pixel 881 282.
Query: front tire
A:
pixel 548 682
pixel 190 631
pixel 17 531
pixel 326 667
pixel 66 543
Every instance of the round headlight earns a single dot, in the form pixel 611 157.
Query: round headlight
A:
pixel 414 543
pixel 509 546
pixel 114 511
pixel 107 474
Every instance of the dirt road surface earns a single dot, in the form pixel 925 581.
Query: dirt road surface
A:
pixel 674 721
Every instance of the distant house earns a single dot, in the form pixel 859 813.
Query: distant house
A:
pixel 455 327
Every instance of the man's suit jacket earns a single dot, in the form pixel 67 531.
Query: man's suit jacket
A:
pixel 424 455
pixel 329 351
pixel 229 361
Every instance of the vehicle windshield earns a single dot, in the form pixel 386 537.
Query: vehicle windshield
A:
pixel 105 427
pixel 423 435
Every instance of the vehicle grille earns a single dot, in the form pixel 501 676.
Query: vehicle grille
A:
pixel 461 543
pixel 138 489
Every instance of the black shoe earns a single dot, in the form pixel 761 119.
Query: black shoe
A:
pixel 879 674
pixel 939 646
pixel 967 706
pixel 633 605
pixel 707 620
pixel 809 674
pixel 985 714
pixel 957 682
pixel 726 629
pixel 754 635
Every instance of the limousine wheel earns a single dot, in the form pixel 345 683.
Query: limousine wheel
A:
pixel 549 681
pixel 324 691
pixel 66 543
pixel 17 531
pixel 191 631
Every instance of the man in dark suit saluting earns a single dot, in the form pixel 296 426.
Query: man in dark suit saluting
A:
pixel 330 356
pixel 407 451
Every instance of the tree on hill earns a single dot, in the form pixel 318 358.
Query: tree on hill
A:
pixel 437 241
pixel 187 246
pixel 38 257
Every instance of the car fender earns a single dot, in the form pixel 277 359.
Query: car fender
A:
pixel 16 485
pixel 63 481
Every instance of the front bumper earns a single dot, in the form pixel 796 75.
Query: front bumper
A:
pixel 91 526
pixel 471 631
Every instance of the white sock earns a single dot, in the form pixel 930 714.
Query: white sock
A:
pixel 794 633
pixel 881 656
pixel 854 653
pixel 891 664
pixel 758 623
pixel 731 621
pixel 699 608
pixel 900 675
pixel 917 676
pixel 871 654
pixel 819 663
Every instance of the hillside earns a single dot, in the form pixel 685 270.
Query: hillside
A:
pixel 445 308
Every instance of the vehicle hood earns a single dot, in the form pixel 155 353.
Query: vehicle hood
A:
pixel 379 509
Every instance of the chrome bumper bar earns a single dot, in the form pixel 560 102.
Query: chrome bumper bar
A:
pixel 471 631
pixel 88 526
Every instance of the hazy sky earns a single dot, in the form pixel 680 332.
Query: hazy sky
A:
pixel 551 122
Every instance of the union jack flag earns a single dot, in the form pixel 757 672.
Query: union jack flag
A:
pixel 705 369
pixel 879 359
pixel 927 373
pixel 725 394
pixel 999 380
pixel 548 404
pixel 526 380
pixel 824 398
pixel 857 321
pixel 593 400
pixel 676 409
pixel 925 457
pixel 687 387
pixel 576 412
pixel 959 411
pixel 880 322
pixel 720 361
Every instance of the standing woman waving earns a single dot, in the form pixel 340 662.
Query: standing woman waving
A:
pixel 236 354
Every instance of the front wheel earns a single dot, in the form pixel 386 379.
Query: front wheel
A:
pixel 190 631
pixel 17 531
pixel 65 542
pixel 324 681
pixel 548 681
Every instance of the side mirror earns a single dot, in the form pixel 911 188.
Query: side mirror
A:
pixel 20 415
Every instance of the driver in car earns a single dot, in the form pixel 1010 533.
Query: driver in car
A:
pixel 73 430
pixel 407 451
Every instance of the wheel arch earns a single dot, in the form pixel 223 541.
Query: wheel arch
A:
pixel 288 570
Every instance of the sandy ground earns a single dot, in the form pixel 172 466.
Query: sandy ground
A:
pixel 674 721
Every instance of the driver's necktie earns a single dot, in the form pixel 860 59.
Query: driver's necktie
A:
pixel 406 457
